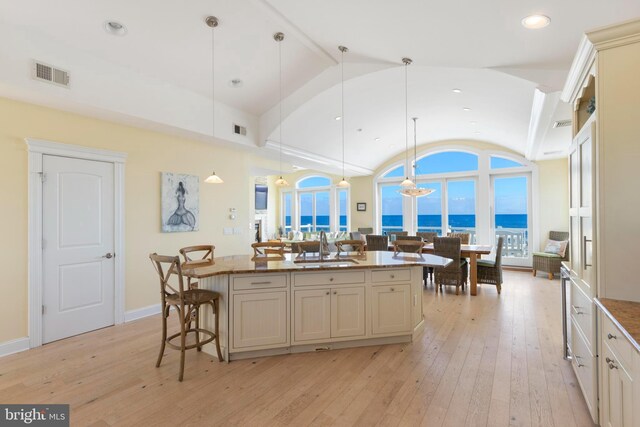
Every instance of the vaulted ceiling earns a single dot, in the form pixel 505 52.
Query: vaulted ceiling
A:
pixel 158 75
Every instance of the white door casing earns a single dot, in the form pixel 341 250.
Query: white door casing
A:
pixel 37 149
pixel 78 241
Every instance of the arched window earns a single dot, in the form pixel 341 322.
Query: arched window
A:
pixel 314 181
pixel 482 193
pixel 319 206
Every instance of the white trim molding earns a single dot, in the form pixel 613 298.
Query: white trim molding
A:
pixel 141 313
pixel 36 149
pixel 14 346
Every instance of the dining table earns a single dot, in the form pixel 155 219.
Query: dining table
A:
pixel 473 252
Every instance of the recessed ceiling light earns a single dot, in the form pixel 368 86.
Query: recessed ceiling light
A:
pixel 467 109
pixel 338 117
pixel 457 90
pixel 473 123
pixel 535 22
pixel 359 129
pixel 115 28
pixel 236 83
pixel 477 132
pixel 377 139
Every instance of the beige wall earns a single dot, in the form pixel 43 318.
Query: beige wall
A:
pixel 553 178
pixel 149 153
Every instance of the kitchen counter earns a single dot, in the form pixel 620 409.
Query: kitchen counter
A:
pixel 244 264
pixel 625 315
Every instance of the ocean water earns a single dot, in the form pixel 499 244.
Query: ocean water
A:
pixel 427 221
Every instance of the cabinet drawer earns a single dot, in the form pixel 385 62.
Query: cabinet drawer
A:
pixel 398 275
pixel 254 281
pixel 584 365
pixel 328 278
pixel 582 312
pixel 617 341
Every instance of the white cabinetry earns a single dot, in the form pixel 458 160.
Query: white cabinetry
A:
pixel 391 309
pixel 603 161
pixel 618 367
pixel 320 314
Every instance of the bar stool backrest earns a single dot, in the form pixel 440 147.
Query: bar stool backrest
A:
pixel 166 267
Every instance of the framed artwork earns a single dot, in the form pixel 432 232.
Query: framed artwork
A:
pixel 361 207
pixel 180 202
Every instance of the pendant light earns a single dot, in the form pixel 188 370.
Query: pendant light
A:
pixel 343 183
pixel 407 183
pixel 415 191
pixel 212 22
pixel 280 182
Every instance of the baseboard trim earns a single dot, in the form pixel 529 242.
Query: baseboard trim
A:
pixel 14 346
pixel 141 313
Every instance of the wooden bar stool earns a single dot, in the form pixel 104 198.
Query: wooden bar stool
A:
pixel 271 250
pixel 187 303
pixel 355 245
pixel 203 255
pixel 408 246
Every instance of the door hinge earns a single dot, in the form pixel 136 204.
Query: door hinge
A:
pixel 43 176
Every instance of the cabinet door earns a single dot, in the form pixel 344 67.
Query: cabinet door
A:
pixel 574 209
pixel 312 318
pixel 391 309
pixel 260 320
pixel 347 312
pixel 586 150
pixel 617 391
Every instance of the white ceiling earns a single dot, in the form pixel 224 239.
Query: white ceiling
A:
pixel 158 75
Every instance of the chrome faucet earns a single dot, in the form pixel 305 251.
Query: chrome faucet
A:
pixel 324 245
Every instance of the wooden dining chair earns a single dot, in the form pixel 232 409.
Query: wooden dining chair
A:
pixel 408 246
pixel 271 250
pixel 346 246
pixel 465 238
pixel 186 303
pixel 490 272
pixel 427 237
pixel 194 255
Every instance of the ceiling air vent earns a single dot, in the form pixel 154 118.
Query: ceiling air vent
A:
pixel 562 124
pixel 239 130
pixel 49 74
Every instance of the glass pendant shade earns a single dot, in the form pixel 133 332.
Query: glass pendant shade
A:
pixel 213 179
pixel 416 192
pixel 343 184
pixel 407 183
pixel 281 182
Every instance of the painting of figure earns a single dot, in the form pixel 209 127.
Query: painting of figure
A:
pixel 180 202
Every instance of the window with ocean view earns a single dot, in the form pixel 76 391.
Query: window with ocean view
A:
pixel 430 209
pixel 286 210
pixel 319 205
pixel 484 193
pixel 343 208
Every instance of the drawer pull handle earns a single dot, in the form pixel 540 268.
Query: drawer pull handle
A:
pixel 260 283
pixel 612 366
pixel 612 337
pixel 576 309
pixel 584 247
pixel 609 360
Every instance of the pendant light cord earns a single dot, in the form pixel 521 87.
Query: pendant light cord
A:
pixel 342 106
pixel 415 152
pixel 406 118
pixel 280 104
pixel 213 81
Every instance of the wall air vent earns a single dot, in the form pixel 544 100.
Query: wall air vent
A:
pixel 50 74
pixel 239 130
pixel 562 124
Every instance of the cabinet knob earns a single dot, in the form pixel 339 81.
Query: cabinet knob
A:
pixel 612 337
pixel 335 292
pixel 328 292
pixel 393 276
pixel 393 289
pixel 331 279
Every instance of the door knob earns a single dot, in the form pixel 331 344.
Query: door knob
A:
pixel 109 255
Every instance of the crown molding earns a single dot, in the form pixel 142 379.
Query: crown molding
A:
pixel 615 35
pixel 580 68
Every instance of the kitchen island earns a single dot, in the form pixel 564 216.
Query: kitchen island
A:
pixel 271 307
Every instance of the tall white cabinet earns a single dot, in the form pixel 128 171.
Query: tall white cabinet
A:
pixel 604 168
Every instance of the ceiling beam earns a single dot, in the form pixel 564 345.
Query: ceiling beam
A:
pixel 289 28
pixel 542 110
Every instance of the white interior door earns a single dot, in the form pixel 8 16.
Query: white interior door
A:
pixel 78 243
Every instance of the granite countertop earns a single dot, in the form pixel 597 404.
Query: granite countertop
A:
pixel 242 264
pixel 625 315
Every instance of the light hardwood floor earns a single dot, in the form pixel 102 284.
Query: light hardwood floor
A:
pixel 482 361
